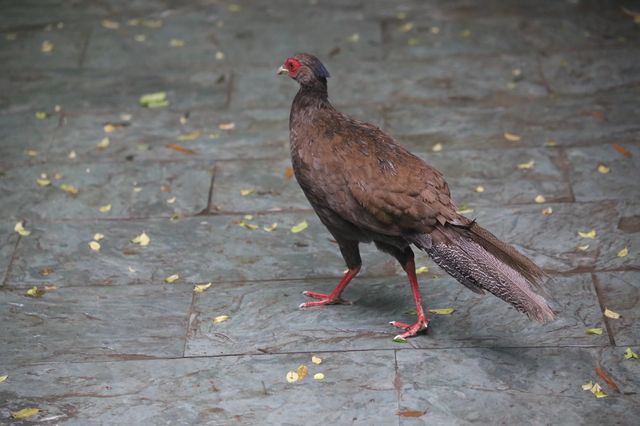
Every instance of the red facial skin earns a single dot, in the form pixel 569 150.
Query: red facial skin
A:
pixel 292 65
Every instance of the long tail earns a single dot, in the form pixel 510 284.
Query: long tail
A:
pixel 480 261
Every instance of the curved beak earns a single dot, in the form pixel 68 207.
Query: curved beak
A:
pixel 282 70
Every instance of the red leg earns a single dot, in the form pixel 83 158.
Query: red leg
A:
pixel 423 322
pixel 334 297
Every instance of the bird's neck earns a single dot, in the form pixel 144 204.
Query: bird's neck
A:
pixel 312 95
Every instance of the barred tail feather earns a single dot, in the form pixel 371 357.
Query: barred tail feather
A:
pixel 478 260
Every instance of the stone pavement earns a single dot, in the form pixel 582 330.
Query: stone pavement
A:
pixel 524 98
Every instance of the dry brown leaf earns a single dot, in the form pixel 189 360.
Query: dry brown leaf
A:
pixel 621 150
pixel 412 413
pixel 302 371
pixel 180 149
pixel 288 172
pixel 607 379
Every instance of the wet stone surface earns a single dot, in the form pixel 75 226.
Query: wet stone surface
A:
pixel 530 109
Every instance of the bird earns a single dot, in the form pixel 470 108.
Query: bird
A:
pixel 365 187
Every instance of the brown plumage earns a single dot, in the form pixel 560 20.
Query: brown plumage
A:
pixel 365 187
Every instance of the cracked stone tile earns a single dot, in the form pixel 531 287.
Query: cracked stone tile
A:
pixel 130 189
pixel 620 292
pixel 24 138
pixel 357 389
pixel 94 323
pixel 264 317
pixel 590 184
pixel 529 386
pixel 8 240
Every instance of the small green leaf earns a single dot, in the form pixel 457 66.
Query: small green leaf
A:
pixel 597 331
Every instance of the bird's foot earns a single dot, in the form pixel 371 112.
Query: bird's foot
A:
pixel 410 330
pixel 324 299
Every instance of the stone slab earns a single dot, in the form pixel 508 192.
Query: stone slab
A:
pixel 620 292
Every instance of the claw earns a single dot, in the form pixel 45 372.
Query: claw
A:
pixel 324 299
pixel 411 330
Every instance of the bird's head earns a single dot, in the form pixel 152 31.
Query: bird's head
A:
pixel 306 69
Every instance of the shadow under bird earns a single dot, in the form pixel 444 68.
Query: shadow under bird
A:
pixel 366 188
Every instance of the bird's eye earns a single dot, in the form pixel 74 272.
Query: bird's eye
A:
pixel 290 65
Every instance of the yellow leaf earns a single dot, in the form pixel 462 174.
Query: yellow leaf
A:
pixel 302 371
pixel 354 38
pixel 19 228
pixel 247 191
pixel 151 23
pixel 630 354
pixel 422 270
pixel 465 210
pixel 110 25
pixel 234 8
pixel 25 412
pixel 172 278
pixel 583 248
pixel 443 311
pixel 176 42
pixel 466 33
pixel 547 211
pixel 109 128
pixel 94 245
pixel 316 360
pixel 540 199
pixel 142 239
pixel 220 318
pixel 318 376
pixel 597 391
pixel 271 227
pixel 528 165
pixel 103 144
pixel 437 147
pixel 154 100
pixel 299 227
pixel 405 28
pixel 3 378
pixel 512 137
pixel 227 126
pixel 435 30
pixel 43 181
pixel 191 136
pixel 47 46
pixel 34 292
pixel 247 225
pixel 292 377
pixel 41 115
pixel 105 209
pixel 587 386
pixel 199 288
pixel 248 217
pixel 137 189
pixel 72 155
pixel 591 234
pixel 611 314
pixel 594 331
pixel 31 152
pixel 603 169
pixel 98 236
pixel 623 253
pixel 171 200
pixel 69 189
pixel 219 55
pixel 479 188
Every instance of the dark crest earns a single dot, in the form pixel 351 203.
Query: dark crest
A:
pixel 314 64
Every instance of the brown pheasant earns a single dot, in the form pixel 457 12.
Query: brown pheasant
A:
pixel 365 188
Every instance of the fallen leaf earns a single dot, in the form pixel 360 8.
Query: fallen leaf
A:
pixel 611 314
pixel 292 377
pixel 220 318
pixel 466 33
pixel 607 379
pixel 597 391
pixel 435 30
pixel 247 191
pixel 154 100
pixel 109 128
pixel 98 236
pixel 103 144
pixel 464 210
pixel 3 378
pixel 43 181
pixel 50 288
pixel 354 38
pixel 219 55
pixel 630 354
pixel 288 172
pixel 442 311
pixel 69 189
pixel 105 209
pixel 587 386
pixel 621 150
pixel 176 42
pixel 31 152
pixel 137 189
pixel 318 376
pixel 247 225
pixel 512 137
pixel 550 142
pixel 94 245
pixel 171 200
pixel 191 136
pixel 271 227
pixel 479 188
pixel 151 23
pixel 200 288
pixel 180 149
pixel 227 126
pixel 623 253
pixel 141 38
pixel 72 155
pixel 411 413
pixel 528 165
pixel 422 270
pixel 235 8
pixel 41 115
pixel 437 147
pixel 540 199
pixel 302 371
pixel 413 41
pixel 299 227
pixel 142 239
pixel 591 234
pixel 583 247
pixel 47 46
pixel 34 292
pixel 405 28
pixel 25 412
pixel 594 331
pixel 547 211
pixel 600 115
pixel 603 169
pixel 19 228
pixel 248 217
pixel 110 25
pixel 316 360
pixel 172 278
